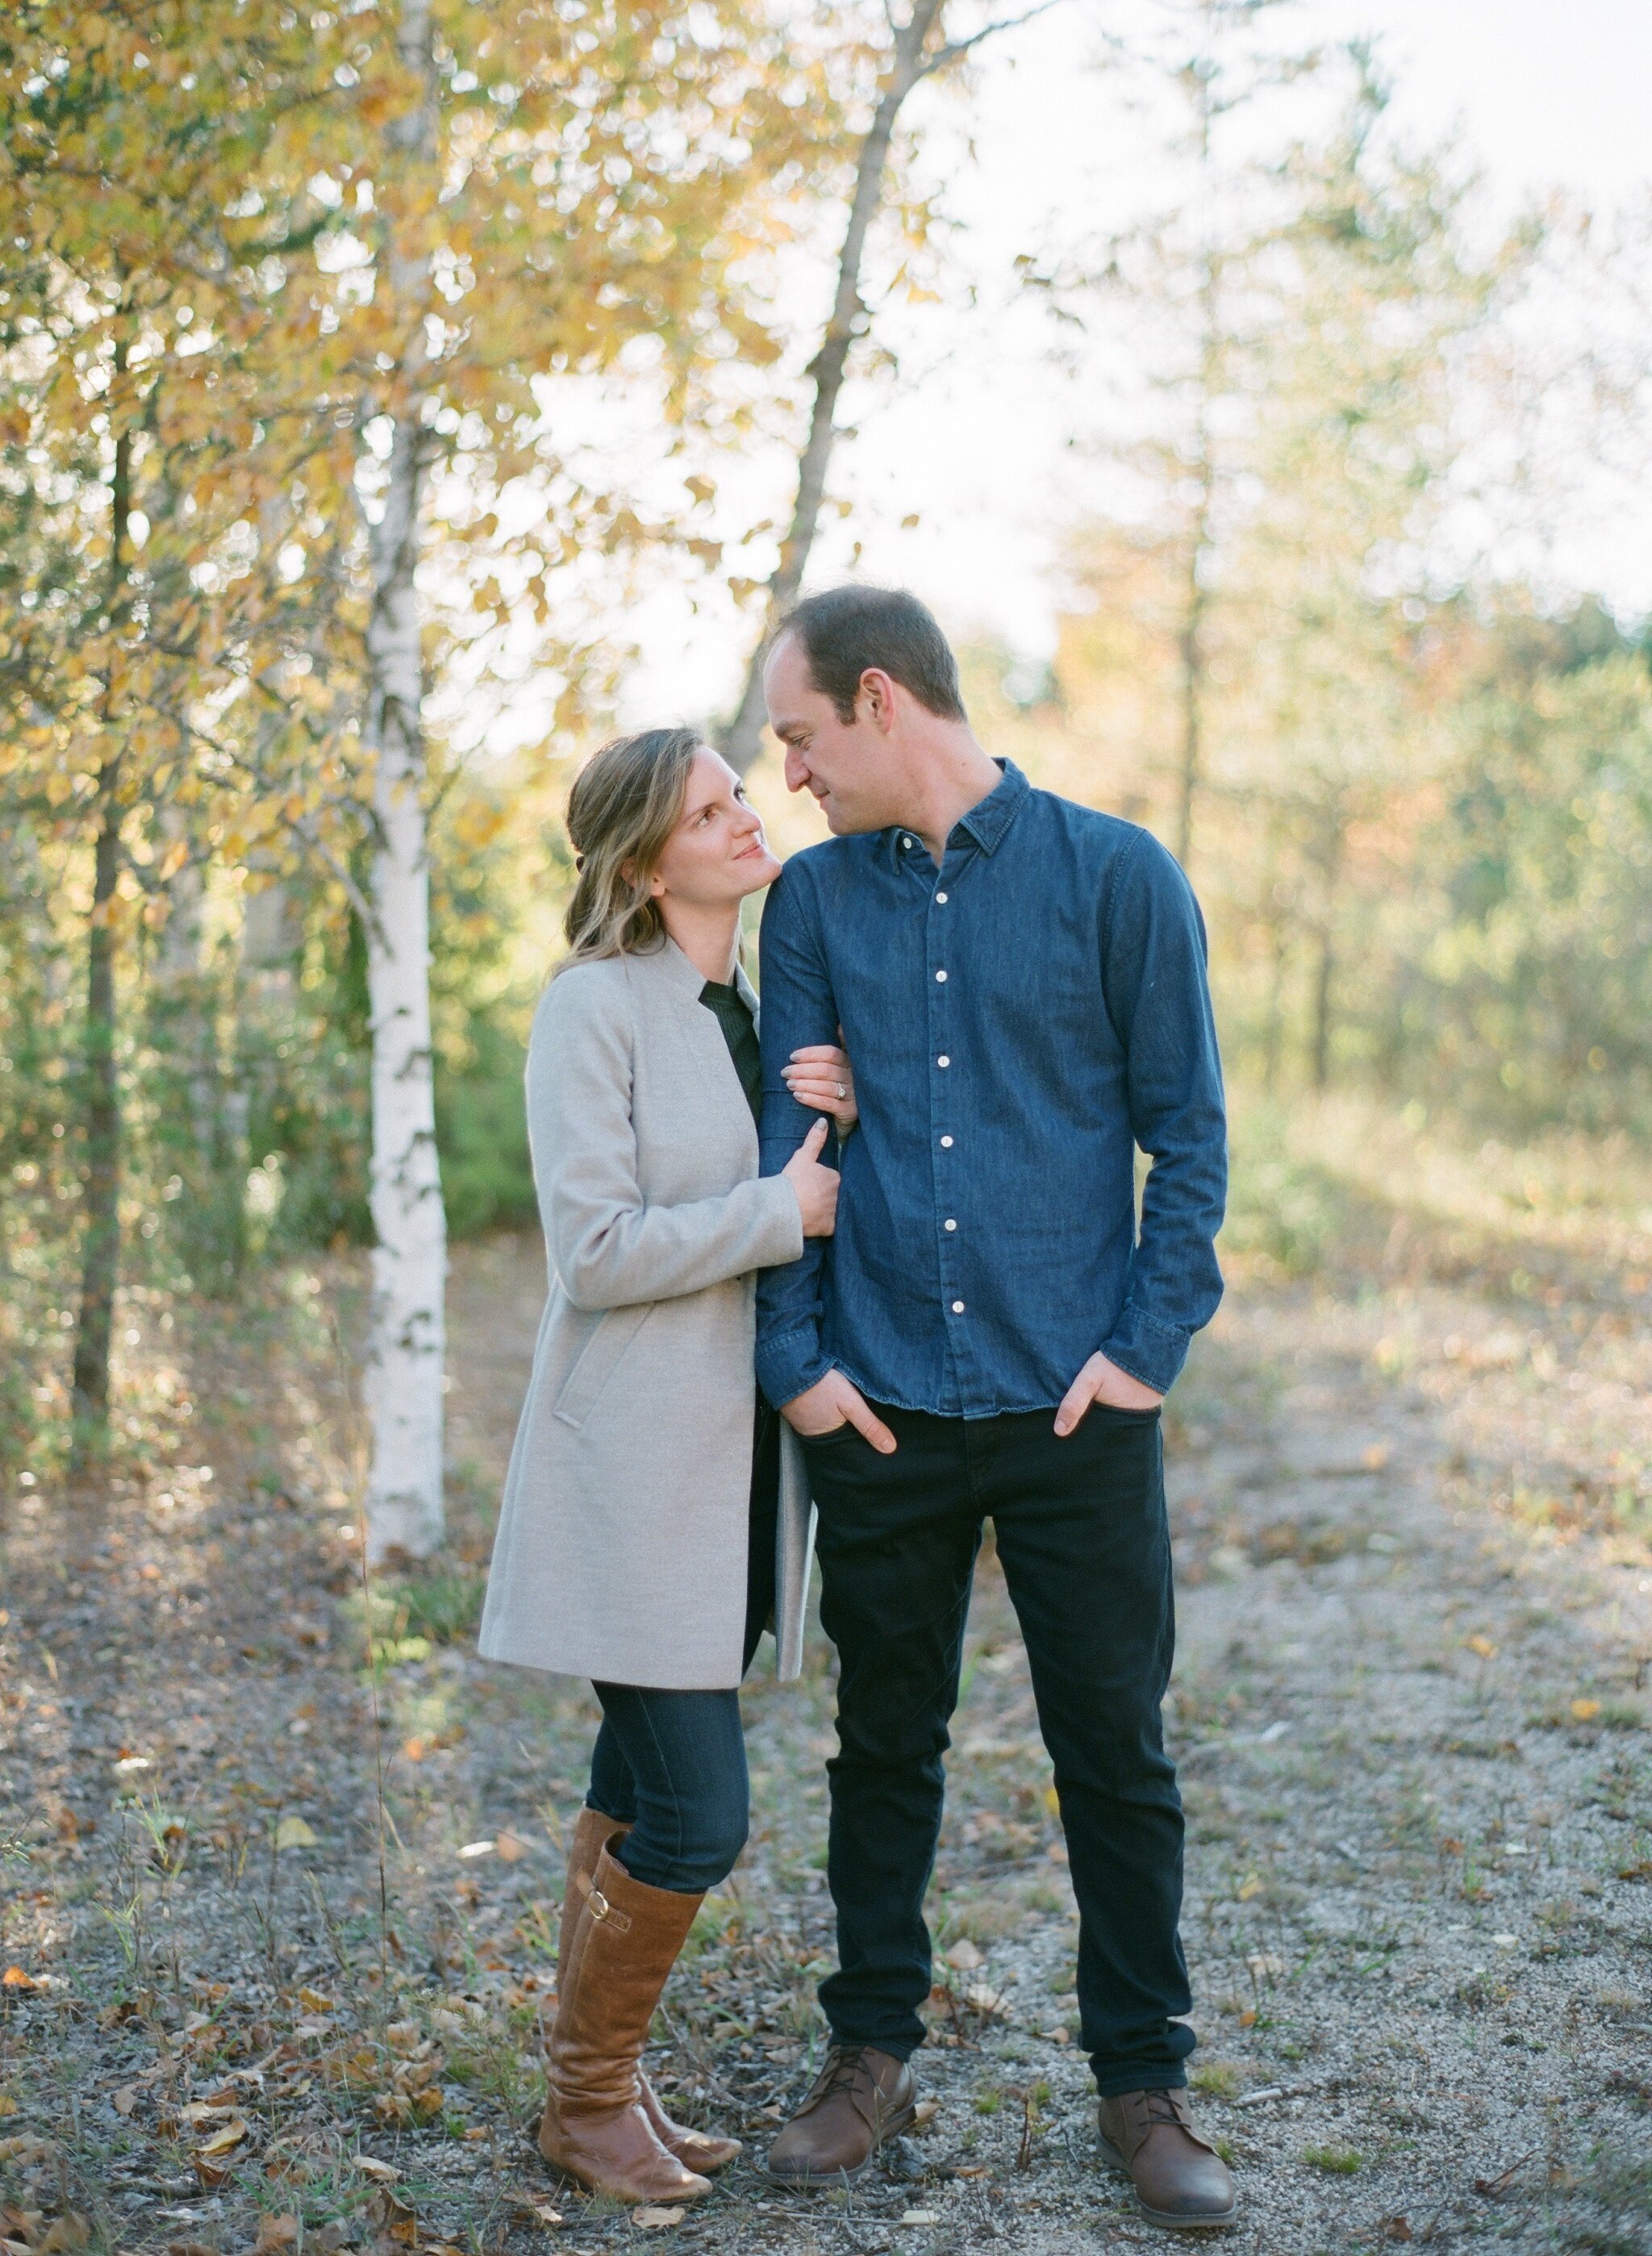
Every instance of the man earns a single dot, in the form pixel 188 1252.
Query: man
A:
pixel 1020 984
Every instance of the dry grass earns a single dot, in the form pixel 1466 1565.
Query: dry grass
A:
pixel 1410 1481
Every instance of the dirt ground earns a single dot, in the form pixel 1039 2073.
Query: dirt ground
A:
pixel 251 2000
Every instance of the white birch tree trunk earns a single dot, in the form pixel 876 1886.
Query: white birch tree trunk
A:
pixel 407 1341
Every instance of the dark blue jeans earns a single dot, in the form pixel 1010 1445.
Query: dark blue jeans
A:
pixel 1084 1545
pixel 673 1765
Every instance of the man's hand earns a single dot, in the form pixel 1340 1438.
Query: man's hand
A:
pixel 1100 1381
pixel 834 1401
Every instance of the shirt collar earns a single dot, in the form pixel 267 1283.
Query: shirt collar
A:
pixel 986 822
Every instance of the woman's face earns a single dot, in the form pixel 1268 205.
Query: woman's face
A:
pixel 717 853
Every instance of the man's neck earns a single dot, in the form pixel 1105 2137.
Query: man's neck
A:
pixel 709 937
pixel 958 776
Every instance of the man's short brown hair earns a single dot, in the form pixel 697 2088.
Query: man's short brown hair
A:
pixel 846 629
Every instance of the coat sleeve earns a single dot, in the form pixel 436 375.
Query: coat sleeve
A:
pixel 610 1249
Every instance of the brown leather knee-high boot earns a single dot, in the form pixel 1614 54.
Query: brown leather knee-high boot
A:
pixel 593 2128
pixel 696 2150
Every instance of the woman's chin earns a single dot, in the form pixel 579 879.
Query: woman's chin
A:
pixel 761 870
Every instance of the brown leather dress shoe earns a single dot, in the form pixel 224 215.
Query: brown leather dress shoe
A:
pixel 860 2097
pixel 1179 2178
pixel 696 2150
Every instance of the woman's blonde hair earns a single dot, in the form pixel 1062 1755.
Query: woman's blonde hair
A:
pixel 624 805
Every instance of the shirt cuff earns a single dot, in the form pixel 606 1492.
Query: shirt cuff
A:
pixel 1151 1351
pixel 790 1363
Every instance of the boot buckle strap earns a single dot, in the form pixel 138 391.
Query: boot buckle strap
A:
pixel 601 1907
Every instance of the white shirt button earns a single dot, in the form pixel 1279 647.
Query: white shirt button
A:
pixel 905 844
pixel 941 898
pixel 943 1061
pixel 958 1308
pixel 941 976
pixel 946 1143
pixel 951 1226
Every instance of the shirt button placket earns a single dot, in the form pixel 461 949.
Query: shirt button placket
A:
pixel 939 975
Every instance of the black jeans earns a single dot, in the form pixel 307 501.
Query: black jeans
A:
pixel 673 1765
pixel 1085 1548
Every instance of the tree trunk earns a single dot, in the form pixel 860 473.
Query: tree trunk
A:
pixel 101 1223
pixel 1323 972
pixel 1192 654
pixel 743 738
pixel 407 1341
pixel 410 1258
pixel 101 1210
pixel 1325 969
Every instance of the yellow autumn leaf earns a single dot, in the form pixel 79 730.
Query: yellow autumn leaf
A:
pixel 1480 1644
pixel 221 2142
pixel 294 1833
pixel 1585 1710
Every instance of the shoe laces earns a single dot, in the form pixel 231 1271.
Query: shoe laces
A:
pixel 1161 2107
pixel 839 2074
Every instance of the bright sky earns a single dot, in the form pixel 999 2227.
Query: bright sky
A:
pixel 975 437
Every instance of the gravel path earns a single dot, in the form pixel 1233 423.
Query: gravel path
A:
pixel 1410 1711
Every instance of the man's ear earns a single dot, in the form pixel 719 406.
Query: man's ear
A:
pixel 877 694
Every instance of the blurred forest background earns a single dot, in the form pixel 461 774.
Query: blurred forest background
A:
pixel 575 258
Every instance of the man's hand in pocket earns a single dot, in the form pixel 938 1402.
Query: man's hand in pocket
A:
pixel 832 1402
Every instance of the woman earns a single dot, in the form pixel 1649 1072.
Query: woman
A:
pixel 638 1539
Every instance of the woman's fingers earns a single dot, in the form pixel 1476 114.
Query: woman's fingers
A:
pixel 814 1140
pixel 818 1088
pixel 819 1053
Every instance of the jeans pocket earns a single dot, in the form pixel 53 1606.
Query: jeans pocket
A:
pixel 833 1433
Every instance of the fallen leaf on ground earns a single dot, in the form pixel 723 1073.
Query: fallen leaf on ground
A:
pixel 221 2142
pixel 1585 1710
pixel 275 2232
pixel 370 2167
pixel 964 1958
pixel 315 2001
pixel 294 1833
pixel 14 1978
pixel 925 2113
pixel 648 2219
pixel 921 2216
pixel 508 1846
pixel 1481 1645
pixel 395 2218
pixel 123 2101
pixel 71 2232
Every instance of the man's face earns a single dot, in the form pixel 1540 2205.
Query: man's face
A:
pixel 851 767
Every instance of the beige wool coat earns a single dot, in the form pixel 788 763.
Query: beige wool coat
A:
pixel 621 1553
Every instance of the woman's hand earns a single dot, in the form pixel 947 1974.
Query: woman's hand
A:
pixel 821 1079
pixel 816 1186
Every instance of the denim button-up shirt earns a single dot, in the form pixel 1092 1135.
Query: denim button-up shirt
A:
pixel 1019 1020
